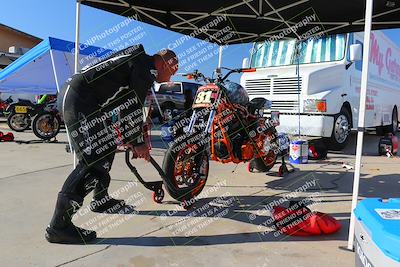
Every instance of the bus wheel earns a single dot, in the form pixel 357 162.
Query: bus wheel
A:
pixel 341 131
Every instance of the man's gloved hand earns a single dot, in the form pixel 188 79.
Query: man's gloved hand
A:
pixel 140 151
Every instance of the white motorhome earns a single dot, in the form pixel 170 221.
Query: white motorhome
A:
pixel 326 90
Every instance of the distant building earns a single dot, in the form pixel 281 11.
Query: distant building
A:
pixel 14 43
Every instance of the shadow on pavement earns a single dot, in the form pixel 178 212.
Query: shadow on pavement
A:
pixel 208 240
pixel 386 185
pixel 254 210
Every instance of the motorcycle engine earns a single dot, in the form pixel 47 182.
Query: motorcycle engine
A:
pixel 221 151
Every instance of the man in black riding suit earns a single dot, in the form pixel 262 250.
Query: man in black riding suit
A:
pixel 113 88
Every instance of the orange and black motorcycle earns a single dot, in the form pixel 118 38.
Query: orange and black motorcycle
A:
pixel 224 127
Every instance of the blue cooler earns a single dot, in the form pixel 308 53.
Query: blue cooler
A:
pixel 377 230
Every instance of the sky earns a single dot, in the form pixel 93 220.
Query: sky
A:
pixel 56 18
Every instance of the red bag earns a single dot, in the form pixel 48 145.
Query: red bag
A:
pixel 288 221
pixel 317 150
pixel 299 220
pixel 9 137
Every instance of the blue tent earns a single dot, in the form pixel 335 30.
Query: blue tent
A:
pixel 44 68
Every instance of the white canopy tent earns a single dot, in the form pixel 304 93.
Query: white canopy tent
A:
pixel 335 16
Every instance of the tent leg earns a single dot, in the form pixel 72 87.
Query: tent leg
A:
pixel 153 92
pixel 361 118
pixel 54 70
pixel 77 32
pixel 58 90
pixel 220 57
pixel 76 66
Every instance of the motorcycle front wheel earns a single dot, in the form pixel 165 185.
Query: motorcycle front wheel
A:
pixel 18 122
pixel 186 169
pixel 46 125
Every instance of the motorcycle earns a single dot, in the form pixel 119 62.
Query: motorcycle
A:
pixel 20 114
pixel 4 105
pixel 221 130
pixel 46 121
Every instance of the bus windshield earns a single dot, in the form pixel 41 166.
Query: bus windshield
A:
pixel 281 52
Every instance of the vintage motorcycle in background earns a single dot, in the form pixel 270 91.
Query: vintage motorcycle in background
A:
pixel 47 123
pixel 4 105
pixel 20 114
pixel 224 127
pixel 43 117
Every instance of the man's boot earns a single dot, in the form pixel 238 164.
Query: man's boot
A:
pixel 61 229
pixel 104 203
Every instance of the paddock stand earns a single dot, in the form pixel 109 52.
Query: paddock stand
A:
pixel 283 169
pixel 156 187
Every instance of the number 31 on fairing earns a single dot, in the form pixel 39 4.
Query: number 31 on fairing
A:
pixel 205 96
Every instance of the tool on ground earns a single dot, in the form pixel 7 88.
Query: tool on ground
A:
pixel 347 166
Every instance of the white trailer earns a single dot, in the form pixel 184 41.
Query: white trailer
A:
pixel 326 90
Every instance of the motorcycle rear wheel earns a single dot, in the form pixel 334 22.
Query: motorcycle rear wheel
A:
pixel 46 125
pixel 18 122
pixel 186 171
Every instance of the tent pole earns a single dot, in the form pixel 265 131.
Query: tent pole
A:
pixel 220 57
pixel 76 67
pixel 361 119
pixel 58 90
pixel 153 93
pixel 54 70
pixel 77 31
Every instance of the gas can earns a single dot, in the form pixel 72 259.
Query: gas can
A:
pixel 298 152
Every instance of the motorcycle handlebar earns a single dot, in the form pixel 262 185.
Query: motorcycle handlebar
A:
pixel 196 75
pixel 241 70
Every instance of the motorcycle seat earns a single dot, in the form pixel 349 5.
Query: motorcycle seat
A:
pixel 24 101
pixel 255 104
